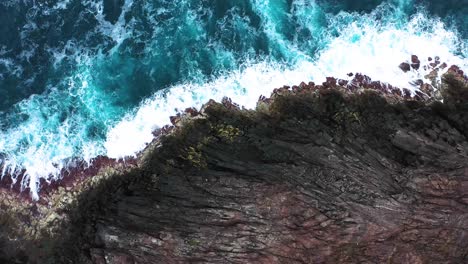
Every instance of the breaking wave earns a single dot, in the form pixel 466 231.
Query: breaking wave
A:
pixel 79 79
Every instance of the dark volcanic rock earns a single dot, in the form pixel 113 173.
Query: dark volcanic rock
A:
pixel 415 63
pixel 405 67
pixel 327 176
pixel 330 82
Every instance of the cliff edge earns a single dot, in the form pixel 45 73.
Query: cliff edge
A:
pixel 316 174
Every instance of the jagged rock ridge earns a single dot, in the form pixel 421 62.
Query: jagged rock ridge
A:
pixel 316 174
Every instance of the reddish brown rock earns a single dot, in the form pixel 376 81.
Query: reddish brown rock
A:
pixel 427 88
pixel 386 182
pixel 415 63
pixel 321 177
pixel 405 67
pixel 407 93
pixel 432 76
pixel 227 102
pixel 311 85
pixel 174 119
pixel 342 82
pixel 191 111
pixel 330 82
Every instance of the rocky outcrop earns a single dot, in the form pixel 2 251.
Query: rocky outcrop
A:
pixel 335 173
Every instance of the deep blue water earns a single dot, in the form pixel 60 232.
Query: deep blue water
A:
pixel 85 78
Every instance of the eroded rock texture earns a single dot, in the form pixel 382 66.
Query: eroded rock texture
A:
pixel 319 178
pixel 311 176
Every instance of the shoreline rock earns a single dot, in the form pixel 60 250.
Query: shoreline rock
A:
pixel 356 172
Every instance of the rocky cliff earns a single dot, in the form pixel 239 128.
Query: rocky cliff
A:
pixel 327 173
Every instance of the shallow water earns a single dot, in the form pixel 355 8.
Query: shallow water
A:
pixel 80 79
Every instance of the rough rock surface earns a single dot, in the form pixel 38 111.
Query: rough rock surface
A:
pixel 316 174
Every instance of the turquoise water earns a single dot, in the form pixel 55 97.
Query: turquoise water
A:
pixel 80 79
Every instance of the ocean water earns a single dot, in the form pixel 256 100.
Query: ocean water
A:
pixel 79 79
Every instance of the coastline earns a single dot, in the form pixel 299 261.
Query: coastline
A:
pixel 64 208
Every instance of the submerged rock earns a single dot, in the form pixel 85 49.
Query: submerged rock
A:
pixel 317 174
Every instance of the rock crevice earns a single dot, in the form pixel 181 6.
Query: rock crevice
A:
pixel 317 174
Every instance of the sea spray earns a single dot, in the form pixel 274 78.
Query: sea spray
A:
pixel 79 79
pixel 360 47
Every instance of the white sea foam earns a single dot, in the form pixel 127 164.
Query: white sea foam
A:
pixel 118 31
pixel 43 144
pixel 244 87
pixel 375 51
